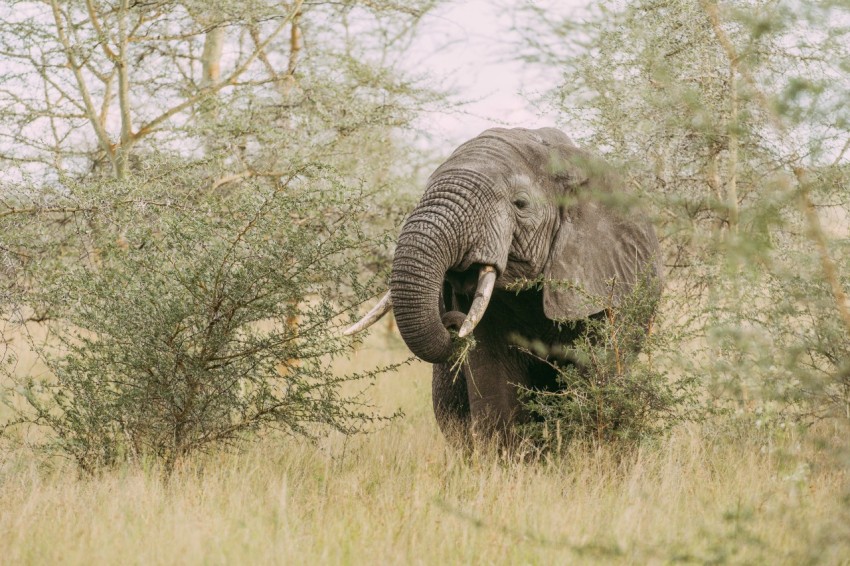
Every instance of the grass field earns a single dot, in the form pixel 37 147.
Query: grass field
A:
pixel 401 496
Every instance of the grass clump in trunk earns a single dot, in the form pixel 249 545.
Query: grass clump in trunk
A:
pixel 462 348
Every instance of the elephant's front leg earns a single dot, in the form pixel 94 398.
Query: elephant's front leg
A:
pixel 451 404
pixel 492 380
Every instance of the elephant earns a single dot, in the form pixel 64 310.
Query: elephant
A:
pixel 508 205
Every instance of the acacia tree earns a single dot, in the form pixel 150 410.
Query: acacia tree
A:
pixel 732 119
pixel 98 84
pixel 184 180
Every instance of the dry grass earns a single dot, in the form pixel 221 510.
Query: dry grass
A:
pixel 401 496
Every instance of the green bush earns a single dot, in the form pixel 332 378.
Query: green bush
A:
pixel 612 387
pixel 194 320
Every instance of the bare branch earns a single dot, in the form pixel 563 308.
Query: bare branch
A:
pixel 45 210
pixel 91 113
pixel 103 37
pixel 123 93
pixel 213 88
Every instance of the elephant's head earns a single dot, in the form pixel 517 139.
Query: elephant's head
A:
pixel 513 203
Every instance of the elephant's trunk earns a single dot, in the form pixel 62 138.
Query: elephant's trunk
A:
pixel 430 243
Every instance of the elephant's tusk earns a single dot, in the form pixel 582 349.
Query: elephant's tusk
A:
pixel 486 282
pixel 384 306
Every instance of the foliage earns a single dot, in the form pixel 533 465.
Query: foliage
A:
pixel 181 333
pixel 732 121
pixel 610 385
pixel 183 211
pixel 100 84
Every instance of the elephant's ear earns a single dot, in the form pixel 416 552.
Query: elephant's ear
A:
pixel 600 251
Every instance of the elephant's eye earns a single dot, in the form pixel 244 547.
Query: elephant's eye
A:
pixel 521 203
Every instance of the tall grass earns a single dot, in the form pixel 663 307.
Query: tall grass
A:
pixel 400 495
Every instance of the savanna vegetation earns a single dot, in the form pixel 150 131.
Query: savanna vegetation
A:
pixel 198 196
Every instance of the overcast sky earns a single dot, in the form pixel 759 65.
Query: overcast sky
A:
pixel 468 46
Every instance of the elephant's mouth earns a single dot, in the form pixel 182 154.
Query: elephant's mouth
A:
pixel 464 282
pixel 480 280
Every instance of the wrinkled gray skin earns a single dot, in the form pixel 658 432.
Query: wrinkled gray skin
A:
pixel 518 200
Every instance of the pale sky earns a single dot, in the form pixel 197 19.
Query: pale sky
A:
pixel 468 46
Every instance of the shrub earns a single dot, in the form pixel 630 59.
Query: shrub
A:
pixel 196 320
pixel 611 386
